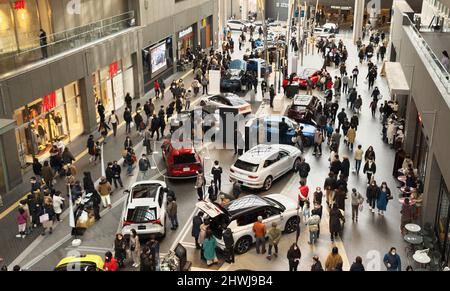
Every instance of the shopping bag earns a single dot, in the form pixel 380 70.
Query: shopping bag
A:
pixel 361 207
pixel 44 218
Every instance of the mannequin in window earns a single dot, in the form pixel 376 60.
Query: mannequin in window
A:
pixel 34 139
pixel 53 127
pixel 59 124
pixel 42 132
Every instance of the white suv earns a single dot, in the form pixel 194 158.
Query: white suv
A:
pixel 145 209
pixel 241 214
pixel 262 165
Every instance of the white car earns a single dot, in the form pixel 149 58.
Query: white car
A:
pixel 331 27
pixel 234 24
pixel 227 100
pixel 240 215
pixel 262 165
pixel 145 209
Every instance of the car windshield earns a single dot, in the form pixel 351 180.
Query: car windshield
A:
pixel 141 214
pixel 237 65
pixel 79 267
pixel 275 203
pixel 145 191
pixel 249 167
pixel 184 159
pixel 236 101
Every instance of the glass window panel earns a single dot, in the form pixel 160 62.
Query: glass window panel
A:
pixel 7 36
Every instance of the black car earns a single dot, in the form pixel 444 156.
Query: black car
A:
pixel 235 77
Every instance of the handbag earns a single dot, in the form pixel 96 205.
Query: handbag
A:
pixel 44 218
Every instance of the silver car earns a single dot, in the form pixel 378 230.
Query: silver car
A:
pixel 230 101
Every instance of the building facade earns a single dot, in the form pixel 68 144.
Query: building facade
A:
pixel 427 114
pixel 96 51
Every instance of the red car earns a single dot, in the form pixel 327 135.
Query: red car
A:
pixel 181 158
pixel 304 74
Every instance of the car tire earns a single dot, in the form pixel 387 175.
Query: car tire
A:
pixel 291 224
pixel 243 245
pixel 296 165
pixel 268 183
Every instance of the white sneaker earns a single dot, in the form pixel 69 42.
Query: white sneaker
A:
pixel 19 236
pixel 23 236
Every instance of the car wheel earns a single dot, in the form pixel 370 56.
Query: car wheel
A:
pixel 296 166
pixel 268 183
pixel 243 245
pixel 291 224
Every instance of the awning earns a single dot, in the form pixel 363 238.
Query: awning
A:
pixel 398 85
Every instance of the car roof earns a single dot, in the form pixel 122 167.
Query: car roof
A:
pixel 302 100
pixel 144 193
pixel 94 259
pixel 245 204
pixel 260 153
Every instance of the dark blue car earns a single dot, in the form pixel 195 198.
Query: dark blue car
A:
pixel 308 130
pixel 252 65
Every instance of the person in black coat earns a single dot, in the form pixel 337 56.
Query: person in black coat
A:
pixel 154 127
pixel 138 120
pixel 197 221
pixel 128 100
pixel 340 197
pixel 336 166
pixel 370 168
pixel 37 167
pixel 162 126
pixel 294 255
pixel 117 170
pixel 317 265
pixel 228 239
pixel 373 191
pixel 216 172
pixel 128 143
pixel 357 266
pixel 345 167
pixel 109 173
pixel 335 222
pixel 127 117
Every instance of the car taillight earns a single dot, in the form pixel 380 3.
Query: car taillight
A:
pixel 231 170
pixel 253 177
pixel 126 223
pixel 156 222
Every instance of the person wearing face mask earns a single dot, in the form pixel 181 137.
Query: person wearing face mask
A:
pixel 294 255
pixel 383 198
pixel 216 172
pixel 372 194
pixel 370 169
pixel 392 261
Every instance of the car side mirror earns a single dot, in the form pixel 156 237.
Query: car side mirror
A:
pixel 126 192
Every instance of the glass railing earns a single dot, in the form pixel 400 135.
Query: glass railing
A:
pixel 67 40
pixel 433 61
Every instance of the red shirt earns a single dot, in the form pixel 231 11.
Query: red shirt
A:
pixel 156 84
pixel 111 266
pixel 304 192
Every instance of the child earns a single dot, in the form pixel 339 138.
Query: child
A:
pixel 306 210
pixel 22 219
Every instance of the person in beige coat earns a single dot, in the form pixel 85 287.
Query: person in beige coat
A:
pixel 351 136
pixel 104 189
pixel 135 248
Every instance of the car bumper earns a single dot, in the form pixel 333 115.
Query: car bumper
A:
pixel 155 230
pixel 253 184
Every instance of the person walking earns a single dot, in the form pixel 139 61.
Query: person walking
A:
pixel 104 189
pixel 334 259
pixel 294 255
pixel 154 126
pixel 357 266
pixel 358 159
pixel 128 143
pixel 48 174
pixel 205 83
pixel 58 205
pixel 109 174
pixel 370 169
pixel 134 247
pixel 209 248
pixel 172 212
pixel 313 227
pixel 216 172
pixel 259 229
pixel 335 223
pixel 146 260
pixel 383 198
pixel 318 140
pixel 345 167
pixel 272 95
pixel 144 167
pixel 187 99
pixel 228 240
pixel 200 185
pixel 303 169
pixel 116 171
pixel 197 221
pixel 274 235
pixel 392 261
pixel 120 250
pixel 21 218
pixel 127 117
pixel 373 192
pixel 46 216
pixel 128 100
pixel 317 265
pixel 357 202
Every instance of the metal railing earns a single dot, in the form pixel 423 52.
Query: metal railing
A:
pixel 433 61
pixel 67 40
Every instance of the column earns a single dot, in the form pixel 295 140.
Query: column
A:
pixel 244 10
pixel 136 59
pixel 432 185
pixel 88 104
pixel 358 16
pixel 10 158
pixel 222 20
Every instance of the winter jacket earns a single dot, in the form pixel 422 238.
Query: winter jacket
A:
pixel 336 167
pixel 111 266
pixel 47 174
pixel 317 267
pixel 209 248
pixel 351 135
pixel 345 167
pixel 172 209
pixel 293 255
pixel 104 188
pixel 332 262
pixel 356 267
pixel 259 229
pixel 144 165
pixel 58 203
pixel 373 192
pixel 304 170
pixel 370 168
pixel 330 184
pixel 340 198
pixel 67 157
pixel 216 172
pixel 109 172
pixel 357 199
pixel 335 220
pixel 21 218
pixel 394 261
pixel 197 221
pixel 274 235
pixel 228 238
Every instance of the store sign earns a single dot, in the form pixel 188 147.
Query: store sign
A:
pixel 19 5
pixel 185 32
pixel 113 69
pixel 49 102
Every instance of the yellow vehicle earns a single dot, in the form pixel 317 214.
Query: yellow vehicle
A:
pixel 83 263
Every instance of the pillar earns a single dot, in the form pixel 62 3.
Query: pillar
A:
pixel 136 59
pixel 88 106
pixel 222 20
pixel 358 16
pixel 10 163
pixel 244 10
pixel 432 185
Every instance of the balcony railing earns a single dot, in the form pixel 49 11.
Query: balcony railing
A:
pixel 63 41
pixel 433 61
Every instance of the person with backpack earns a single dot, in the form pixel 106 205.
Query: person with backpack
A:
pixel 303 170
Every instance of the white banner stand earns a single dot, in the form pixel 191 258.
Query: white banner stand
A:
pixel 214 82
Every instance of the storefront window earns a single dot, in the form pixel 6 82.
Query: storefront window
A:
pixel 55 116
pixel 442 221
pixel 27 25
pixel 156 60
pixel 7 37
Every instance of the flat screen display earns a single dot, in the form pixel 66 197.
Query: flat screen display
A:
pixel 159 60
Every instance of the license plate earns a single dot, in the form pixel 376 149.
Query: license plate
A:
pixel 142 227
pixel 186 169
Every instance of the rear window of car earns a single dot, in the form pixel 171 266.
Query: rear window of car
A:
pixel 81 267
pixel 145 191
pixel 184 159
pixel 249 167
pixel 141 214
